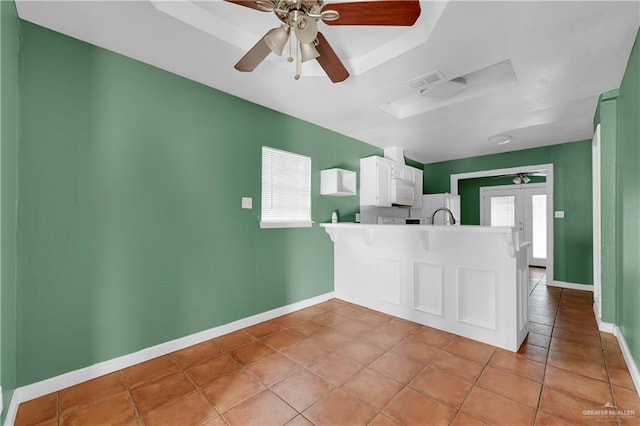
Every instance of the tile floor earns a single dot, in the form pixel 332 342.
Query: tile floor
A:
pixel 337 363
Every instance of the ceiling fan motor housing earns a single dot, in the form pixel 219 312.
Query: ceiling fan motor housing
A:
pixel 290 10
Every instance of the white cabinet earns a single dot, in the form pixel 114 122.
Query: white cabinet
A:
pixel 417 179
pixel 400 171
pixel 376 175
pixel 375 182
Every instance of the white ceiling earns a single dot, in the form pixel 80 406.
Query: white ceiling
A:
pixel 561 55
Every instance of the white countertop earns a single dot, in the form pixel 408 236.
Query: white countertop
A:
pixel 449 228
pixel 510 233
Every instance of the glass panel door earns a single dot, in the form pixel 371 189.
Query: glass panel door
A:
pixel 502 210
pixel 535 230
pixel 523 207
pixel 539 222
pixel 501 207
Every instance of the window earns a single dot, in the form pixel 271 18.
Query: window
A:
pixel 286 189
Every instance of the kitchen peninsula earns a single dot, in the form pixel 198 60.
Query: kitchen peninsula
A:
pixel 467 280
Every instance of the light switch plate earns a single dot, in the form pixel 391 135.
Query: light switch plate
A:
pixel 559 214
pixel 247 202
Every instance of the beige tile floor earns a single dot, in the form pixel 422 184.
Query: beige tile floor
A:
pixel 340 364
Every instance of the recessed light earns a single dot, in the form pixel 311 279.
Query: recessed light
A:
pixel 500 139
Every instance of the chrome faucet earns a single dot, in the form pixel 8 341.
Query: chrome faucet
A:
pixel 453 219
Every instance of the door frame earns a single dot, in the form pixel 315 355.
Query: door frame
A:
pixel 597 221
pixel 511 188
pixel 548 169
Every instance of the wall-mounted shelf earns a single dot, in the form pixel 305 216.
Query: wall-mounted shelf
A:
pixel 338 182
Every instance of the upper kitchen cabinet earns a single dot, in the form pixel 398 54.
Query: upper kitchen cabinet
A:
pixel 386 183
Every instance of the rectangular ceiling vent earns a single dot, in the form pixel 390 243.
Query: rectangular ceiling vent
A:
pixel 426 80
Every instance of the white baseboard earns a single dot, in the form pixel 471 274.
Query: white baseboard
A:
pixel 607 327
pixel 573 286
pixel 44 387
pixel 628 359
pixel 12 411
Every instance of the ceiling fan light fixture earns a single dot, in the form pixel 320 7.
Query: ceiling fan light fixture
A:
pixel 500 139
pixel 306 29
pixel 521 178
pixel 308 52
pixel 277 39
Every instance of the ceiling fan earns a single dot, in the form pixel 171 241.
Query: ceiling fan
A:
pixel 522 178
pixel 301 17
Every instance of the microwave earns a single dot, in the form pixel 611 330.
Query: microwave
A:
pixel 403 192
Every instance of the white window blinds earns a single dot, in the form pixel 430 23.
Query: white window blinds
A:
pixel 286 189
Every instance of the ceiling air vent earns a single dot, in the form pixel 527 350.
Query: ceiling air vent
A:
pixel 445 89
pixel 434 85
pixel 424 81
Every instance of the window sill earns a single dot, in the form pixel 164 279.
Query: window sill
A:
pixel 293 224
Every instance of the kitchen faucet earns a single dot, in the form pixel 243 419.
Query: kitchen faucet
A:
pixel 453 219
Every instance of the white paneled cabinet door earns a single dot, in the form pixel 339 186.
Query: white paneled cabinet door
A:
pixel 523 207
pixel 375 182
pixel 383 196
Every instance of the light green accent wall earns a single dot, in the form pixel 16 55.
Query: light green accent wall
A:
pixel 628 203
pixel 131 231
pixel 469 191
pixel 606 116
pixel 9 42
pixel 573 260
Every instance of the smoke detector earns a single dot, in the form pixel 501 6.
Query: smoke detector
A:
pixel 499 139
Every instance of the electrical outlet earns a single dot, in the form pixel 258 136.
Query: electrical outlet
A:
pixel 559 214
pixel 247 202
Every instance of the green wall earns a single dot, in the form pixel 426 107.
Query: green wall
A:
pixel 131 231
pixel 628 203
pixel 469 191
pixel 573 260
pixel 9 41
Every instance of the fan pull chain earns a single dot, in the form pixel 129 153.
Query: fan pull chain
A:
pixel 298 62
pixel 290 58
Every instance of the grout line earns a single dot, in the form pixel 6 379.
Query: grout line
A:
pixel 475 383
pixel 546 360
pixel 198 389
pixel 133 401
pixel 58 408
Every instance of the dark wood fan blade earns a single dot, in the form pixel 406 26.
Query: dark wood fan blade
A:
pixel 393 12
pixel 246 3
pixel 254 57
pixel 329 61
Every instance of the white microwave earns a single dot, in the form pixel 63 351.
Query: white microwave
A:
pixel 403 192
